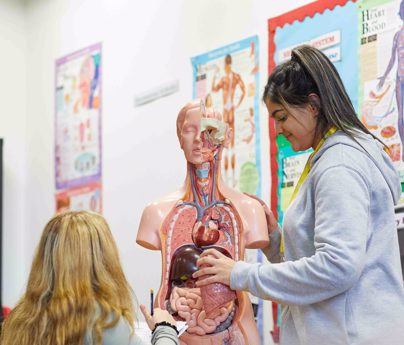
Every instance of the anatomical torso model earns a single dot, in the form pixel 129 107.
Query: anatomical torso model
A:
pixel 204 213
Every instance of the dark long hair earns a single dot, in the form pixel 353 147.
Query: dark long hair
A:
pixel 310 71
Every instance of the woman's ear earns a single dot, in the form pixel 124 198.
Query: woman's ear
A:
pixel 314 103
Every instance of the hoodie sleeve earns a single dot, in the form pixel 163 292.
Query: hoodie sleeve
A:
pixel 341 216
pixel 272 251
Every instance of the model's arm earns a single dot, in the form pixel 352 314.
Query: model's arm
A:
pixel 340 236
pixel 392 60
pixel 272 250
pixel 218 86
pixel 242 88
pixel 255 224
pixel 148 235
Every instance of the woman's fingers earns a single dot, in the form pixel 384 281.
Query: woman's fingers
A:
pixel 213 252
pixel 207 260
pixel 207 281
pixel 203 272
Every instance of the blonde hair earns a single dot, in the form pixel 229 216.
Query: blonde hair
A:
pixel 76 285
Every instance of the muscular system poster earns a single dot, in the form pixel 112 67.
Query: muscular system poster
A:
pixel 227 78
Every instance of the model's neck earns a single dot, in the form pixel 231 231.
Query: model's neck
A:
pixel 204 180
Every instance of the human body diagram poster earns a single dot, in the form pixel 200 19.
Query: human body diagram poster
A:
pixel 78 130
pixel 227 78
pixel 381 88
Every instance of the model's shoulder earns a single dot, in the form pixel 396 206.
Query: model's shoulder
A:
pixel 242 201
pixel 163 202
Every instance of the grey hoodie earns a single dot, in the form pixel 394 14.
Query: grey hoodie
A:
pixel 341 282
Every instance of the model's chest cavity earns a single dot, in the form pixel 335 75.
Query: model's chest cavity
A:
pixel 218 226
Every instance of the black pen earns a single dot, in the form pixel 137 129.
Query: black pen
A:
pixel 151 302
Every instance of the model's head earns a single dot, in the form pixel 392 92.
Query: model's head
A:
pixel 227 63
pixel 75 274
pixel 401 11
pixel 201 132
pixel 307 93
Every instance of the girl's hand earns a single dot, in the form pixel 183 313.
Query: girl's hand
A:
pixel 215 266
pixel 159 315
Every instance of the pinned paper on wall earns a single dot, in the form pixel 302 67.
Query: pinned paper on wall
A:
pixel 382 73
pixel 78 124
pixel 227 78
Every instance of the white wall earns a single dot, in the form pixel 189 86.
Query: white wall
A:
pixel 13 129
pixel 145 43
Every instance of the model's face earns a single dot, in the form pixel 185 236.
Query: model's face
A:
pixel 197 146
pixel 227 68
pixel 297 125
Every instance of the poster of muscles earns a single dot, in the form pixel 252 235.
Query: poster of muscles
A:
pixel 381 85
pixel 78 118
pixel 227 78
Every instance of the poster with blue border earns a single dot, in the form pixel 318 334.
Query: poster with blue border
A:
pixel 228 78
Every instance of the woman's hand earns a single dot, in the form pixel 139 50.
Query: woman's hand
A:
pixel 159 315
pixel 215 266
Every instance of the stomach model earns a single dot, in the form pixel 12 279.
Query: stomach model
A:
pixel 186 232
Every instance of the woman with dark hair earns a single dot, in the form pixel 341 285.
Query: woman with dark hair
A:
pixel 77 293
pixel 340 279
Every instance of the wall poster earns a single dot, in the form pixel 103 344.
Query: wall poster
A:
pixel 228 79
pixel 78 128
pixel 381 84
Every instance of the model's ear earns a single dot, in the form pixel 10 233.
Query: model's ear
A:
pixel 314 103
pixel 228 137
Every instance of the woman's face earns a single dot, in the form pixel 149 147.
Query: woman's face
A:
pixel 297 124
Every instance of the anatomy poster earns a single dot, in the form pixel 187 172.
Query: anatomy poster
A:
pixel 381 56
pixel 78 118
pixel 227 78
pixel 333 30
pixel 78 129
pixel 87 197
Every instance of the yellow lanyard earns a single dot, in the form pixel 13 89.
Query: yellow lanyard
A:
pixel 306 171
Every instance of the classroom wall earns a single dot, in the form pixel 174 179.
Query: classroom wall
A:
pixel 145 44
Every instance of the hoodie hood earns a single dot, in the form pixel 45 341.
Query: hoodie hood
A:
pixel 373 149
